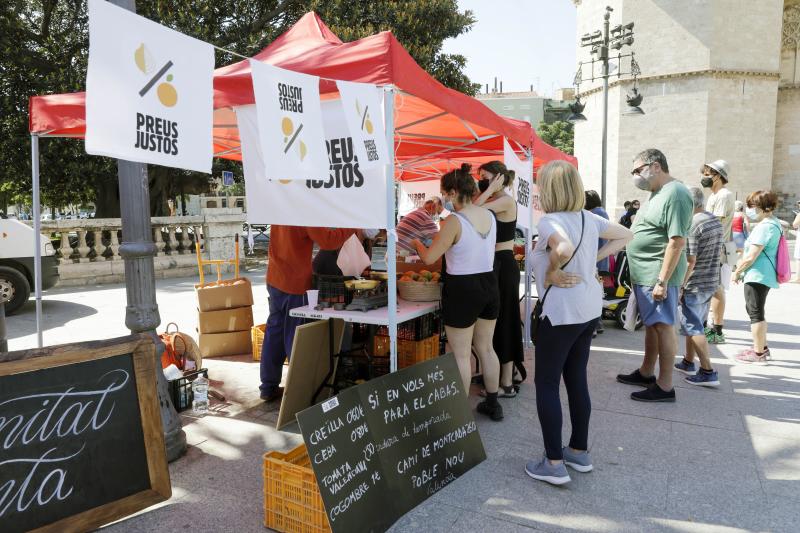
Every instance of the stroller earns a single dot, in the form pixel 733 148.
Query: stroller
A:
pixel 617 290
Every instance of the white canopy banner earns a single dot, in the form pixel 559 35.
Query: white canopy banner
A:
pixel 363 109
pixel 149 93
pixel 523 183
pixel 413 194
pixel 345 196
pixel 289 122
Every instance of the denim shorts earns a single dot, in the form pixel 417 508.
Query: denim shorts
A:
pixel 653 312
pixel 739 239
pixel 694 310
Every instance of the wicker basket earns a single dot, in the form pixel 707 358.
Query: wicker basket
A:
pixel 292 501
pixel 408 352
pixel 420 291
pixel 257 335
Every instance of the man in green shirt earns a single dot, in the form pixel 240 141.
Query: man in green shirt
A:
pixel 658 265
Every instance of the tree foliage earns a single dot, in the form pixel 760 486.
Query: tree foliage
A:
pixel 44 50
pixel 560 134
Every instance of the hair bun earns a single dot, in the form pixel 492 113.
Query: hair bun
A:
pixel 466 167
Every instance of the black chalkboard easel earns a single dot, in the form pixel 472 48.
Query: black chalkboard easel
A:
pixel 380 449
pixel 81 442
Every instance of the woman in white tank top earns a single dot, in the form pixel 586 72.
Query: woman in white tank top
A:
pixel 470 298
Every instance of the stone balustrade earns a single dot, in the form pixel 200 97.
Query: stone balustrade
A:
pixel 88 250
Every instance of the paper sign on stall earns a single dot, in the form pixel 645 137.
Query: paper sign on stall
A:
pixel 363 110
pixel 523 183
pixel 344 196
pixel 413 194
pixel 289 122
pixel 149 94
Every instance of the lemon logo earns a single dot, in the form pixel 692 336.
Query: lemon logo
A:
pixel 290 136
pixel 166 92
pixel 366 123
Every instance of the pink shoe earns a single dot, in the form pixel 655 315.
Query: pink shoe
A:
pixel 750 356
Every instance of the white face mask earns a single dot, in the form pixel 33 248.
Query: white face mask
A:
pixel 642 179
pixel 751 213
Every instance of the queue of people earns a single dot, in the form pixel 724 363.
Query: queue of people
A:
pixel 679 246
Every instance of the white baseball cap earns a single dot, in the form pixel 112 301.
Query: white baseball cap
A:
pixel 721 167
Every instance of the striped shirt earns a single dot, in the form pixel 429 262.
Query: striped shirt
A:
pixel 705 244
pixel 418 224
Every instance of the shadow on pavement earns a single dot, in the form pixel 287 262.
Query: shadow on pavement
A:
pixel 55 313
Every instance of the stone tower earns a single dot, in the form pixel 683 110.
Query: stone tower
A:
pixel 711 71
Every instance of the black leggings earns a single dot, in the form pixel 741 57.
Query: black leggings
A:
pixel 563 350
pixel 755 298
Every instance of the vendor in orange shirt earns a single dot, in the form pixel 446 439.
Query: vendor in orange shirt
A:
pixel 288 279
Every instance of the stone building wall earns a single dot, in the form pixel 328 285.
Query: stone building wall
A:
pixel 710 76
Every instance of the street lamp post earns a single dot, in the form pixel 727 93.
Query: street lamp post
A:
pixel 601 43
pixel 138 250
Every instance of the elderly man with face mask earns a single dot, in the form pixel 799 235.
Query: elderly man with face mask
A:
pixel 658 265
pixel 418 225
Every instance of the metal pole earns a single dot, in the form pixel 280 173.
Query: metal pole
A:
pixel 3 335
pixel 391 255
pixel 138 250
pixel 604 58
pixel 37 238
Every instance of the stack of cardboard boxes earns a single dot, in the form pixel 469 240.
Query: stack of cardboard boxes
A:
pixel 226 316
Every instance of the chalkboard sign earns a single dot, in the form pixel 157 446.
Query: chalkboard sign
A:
pixel 381 448
pixel 81 442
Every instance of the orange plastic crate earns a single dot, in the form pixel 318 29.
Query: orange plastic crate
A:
pixel 257 336
pixel 409 352
pixel 292 501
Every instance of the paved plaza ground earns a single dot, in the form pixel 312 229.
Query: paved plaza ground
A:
pixel 716 460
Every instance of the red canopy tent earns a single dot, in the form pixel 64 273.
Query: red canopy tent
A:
pixel 435 127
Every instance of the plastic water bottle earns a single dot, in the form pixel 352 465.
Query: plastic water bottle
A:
pixel 200 391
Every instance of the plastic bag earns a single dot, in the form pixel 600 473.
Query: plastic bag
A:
pixel 352 258
pixel 631 313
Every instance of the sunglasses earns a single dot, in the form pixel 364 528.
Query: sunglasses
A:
pixel 636 171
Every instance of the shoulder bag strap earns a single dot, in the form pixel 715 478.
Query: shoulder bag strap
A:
pixel 580 241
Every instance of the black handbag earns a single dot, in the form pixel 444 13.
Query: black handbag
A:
pixel 536 315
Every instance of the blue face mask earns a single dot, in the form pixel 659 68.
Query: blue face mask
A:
pixel 449 205
pixel 751 213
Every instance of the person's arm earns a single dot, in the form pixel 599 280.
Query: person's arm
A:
pixel 617 236
pixel 331 239
pixel 671 256
pixel 442 241
pixel 796 223
pixel 495 185
pixel 691 261
pixel 561 249
pixel 747 260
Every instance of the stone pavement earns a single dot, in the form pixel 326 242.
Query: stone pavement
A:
pixel 717 460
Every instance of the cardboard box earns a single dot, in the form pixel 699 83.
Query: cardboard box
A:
pixel 220 344
pixel 226 294
pixel 225 321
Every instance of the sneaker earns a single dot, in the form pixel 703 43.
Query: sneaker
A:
pixel 705 379
pixel 579 461
pixel 272 396
pixel 716 338
pixel 544 470
pixel 503 392
pixel 599 329
pixel 690 369
pixel 750 356
pixel 654 393
pixel 709 333
pixel 636 378
pixel 495 412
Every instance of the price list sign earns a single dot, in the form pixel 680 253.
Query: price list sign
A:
pixel 379 449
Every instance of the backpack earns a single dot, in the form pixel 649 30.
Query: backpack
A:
pixel 782 264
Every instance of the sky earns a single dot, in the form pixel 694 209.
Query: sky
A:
pixel 522 42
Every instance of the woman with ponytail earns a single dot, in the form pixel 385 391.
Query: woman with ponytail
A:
pixel 507 342
pixel 470 299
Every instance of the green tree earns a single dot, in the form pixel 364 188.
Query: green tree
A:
pixel 560 134
pixel 44 50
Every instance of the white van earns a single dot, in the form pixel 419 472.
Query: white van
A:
pixel 16 263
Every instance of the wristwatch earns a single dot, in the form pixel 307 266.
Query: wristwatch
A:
pixel 660 282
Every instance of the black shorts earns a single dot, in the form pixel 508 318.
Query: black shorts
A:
pixel 755 298
pixel 468 297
